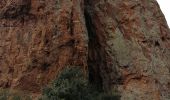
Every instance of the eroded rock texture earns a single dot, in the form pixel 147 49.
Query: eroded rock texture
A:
pixel 38 38
pixel 124 44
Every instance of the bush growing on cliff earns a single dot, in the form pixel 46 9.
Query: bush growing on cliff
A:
pixel 6 94
pixel 72 85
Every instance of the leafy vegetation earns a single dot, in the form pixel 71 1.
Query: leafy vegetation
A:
pixel 72 85
pixel 6 94
pixel 3 94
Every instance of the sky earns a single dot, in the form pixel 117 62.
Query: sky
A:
pixel 165 7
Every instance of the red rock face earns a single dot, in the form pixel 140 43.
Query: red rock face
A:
pixel 37 39
pixel 123 44
pixel 133 41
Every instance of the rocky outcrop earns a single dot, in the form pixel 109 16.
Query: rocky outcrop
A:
pixel 37 39
pixel 122 44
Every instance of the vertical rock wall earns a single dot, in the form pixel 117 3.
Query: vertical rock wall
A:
pixel 37 39
pixel 123 43
pixel 133 39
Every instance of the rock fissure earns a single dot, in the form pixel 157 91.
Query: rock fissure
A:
pixel 116 39
pixel 94 57
pixel 99 71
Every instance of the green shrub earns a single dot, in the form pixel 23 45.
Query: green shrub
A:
pixel 7 94
pixel 4 94
pixel 72 85
pixel 16 97
pixel 104 96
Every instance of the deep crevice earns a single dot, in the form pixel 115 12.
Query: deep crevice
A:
pixel 98 66
pixel 102 71
pixel 94 58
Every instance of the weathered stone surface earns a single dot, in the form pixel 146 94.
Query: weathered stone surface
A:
pixel 134 38
pixel 36 44
pixel 124 43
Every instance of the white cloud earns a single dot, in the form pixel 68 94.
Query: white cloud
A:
pixel 165 7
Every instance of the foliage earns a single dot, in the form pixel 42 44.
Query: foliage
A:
pixel 6 94
pixel 72 85
pixel 16 97
pixel 3 94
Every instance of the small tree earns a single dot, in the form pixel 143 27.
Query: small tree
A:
pixel 72 85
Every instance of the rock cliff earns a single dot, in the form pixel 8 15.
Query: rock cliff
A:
pixel 122 44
